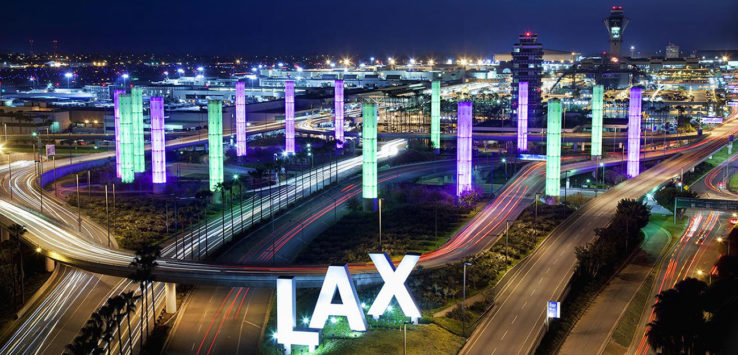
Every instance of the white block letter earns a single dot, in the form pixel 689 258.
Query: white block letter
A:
pixel 338 276
pixel 286 318
pixel 394 285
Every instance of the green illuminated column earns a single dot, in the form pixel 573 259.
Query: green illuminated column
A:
pixel 597 120
pixel 215 142
pixel 369 151
pixel 436 114
pixel 139 159
pixel 126 137
pixel 553 149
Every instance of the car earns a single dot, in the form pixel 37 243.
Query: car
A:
pixel 734 220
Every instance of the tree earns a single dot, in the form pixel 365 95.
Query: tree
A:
pixel 17 231
pixel 144 264
pixel 129 300
pixel 679 323
pixel 633 215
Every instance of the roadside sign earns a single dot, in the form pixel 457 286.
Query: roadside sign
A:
pixel 50 150
pixel 532 157
pixel 553 310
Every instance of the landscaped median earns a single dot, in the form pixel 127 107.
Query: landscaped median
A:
pixel 437 292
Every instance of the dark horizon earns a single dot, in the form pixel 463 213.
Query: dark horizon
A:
pixel 381 28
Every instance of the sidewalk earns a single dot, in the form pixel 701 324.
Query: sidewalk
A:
pixel 592 332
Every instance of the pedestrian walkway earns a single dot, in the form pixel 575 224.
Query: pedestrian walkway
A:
pixel 592 332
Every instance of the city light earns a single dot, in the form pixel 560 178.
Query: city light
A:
pixel 463 147
pixel 215 142
pixel 597 93
pixel 158 148
pixel 634 133
pixel 139 159
pixel 240 118
pixel 523 116
pixel 435 114
pixel 553 149
pixel 338 112
pixel 369 150
pixel 289 116
pixel 116 119
pixel 126 137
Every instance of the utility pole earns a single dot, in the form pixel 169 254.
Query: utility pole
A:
pixel 107 213
pixel 463 301
pixel 380 223
pixel 79 213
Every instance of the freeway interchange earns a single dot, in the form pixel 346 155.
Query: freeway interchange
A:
pixel 521 295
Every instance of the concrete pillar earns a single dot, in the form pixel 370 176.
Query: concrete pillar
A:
pixel 49 264
pixel 170 291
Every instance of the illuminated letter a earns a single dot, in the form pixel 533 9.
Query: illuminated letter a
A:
pixel 338 277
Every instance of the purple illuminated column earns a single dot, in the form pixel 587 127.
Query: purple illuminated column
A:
pixel 338 111
pixel 289 116
pixel 116 117
pixel 463 147
pixel 240 118
pixel 523 116
pixel 158 152
pixel 634 133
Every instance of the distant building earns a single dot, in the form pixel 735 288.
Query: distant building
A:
pixel 672 51
pixel 527 58
pixel 616 24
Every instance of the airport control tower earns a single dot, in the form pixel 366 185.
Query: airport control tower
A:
pixel 616 24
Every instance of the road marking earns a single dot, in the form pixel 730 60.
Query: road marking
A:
pixel 531 291
pixel 525 304
pixel 514 319
pixel 503 335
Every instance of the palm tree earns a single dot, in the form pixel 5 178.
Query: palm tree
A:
pixel 203 197
pixel 144 264
pixel 221 187
pixel 106 313
pixel 129 307
pixel 117 304
pixel 17 231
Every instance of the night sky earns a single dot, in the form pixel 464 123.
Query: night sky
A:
pixel 349 27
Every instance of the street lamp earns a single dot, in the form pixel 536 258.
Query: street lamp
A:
pixel 379 200
pixel 463 300
pixel 125 77
pixel 68 76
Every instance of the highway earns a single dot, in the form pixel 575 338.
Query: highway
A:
pixel 516 322
pixel 227 320
pixel 35 219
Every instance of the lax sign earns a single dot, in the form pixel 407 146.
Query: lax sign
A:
pixel 338 278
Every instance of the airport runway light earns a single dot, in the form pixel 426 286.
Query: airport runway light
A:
pixel 436 114
pixel 158 149
pixel 463 147
pixel 240 118
pixel 139 159
pixel 215 142
pixel 523 116
pixel 289 116
pixel 126 137
pixel 369 150
pixel 338 111
pixel 597 92
pixel 116 119
pixel 634 133
pixel 553 149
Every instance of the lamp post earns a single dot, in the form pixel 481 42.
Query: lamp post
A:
pixel 379 201
pixel 125 77
pixel 69 77
pixel 404 337
pixel 463 301
pixel 507 238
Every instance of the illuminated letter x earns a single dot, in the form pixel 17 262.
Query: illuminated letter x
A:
pixel 394 285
